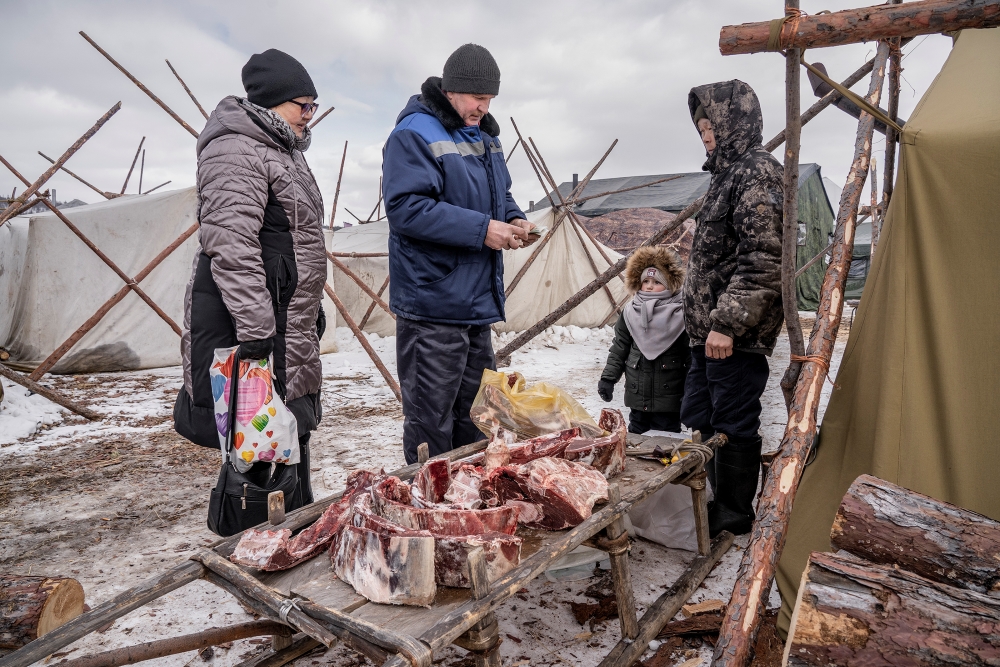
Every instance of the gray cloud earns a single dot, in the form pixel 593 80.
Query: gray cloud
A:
pixel 576 76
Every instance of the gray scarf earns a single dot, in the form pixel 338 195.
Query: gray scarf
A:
pixel 279 125
pixel 655 320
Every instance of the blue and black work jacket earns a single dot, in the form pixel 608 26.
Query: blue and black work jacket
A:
pixel 443 182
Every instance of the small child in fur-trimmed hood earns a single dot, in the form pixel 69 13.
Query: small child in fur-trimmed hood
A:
pixel 650 347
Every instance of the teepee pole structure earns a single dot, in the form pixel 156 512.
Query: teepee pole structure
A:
pixel 767 539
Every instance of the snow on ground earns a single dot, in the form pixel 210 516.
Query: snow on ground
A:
pixel 115 502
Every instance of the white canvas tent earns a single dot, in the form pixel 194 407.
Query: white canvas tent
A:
pixel 559 272
pixel 51 283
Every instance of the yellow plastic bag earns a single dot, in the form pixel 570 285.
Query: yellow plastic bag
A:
pixel 505 399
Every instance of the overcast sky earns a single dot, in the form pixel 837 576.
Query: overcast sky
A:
pixel 575 76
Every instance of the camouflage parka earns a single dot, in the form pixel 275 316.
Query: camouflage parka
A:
pixel 733 282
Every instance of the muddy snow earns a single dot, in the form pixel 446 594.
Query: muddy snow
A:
pixel 115 502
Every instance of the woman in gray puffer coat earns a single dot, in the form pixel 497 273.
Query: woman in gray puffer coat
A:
pixel 258 277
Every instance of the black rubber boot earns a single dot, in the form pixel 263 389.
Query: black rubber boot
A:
pixel 737 471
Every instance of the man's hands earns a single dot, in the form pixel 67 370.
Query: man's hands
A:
pixel 526 226
pixel 718 346
pixel 503 236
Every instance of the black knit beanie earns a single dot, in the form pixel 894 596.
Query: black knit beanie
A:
pixel 471 69
pixel 274 77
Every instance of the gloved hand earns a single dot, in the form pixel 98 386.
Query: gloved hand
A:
pixel 606 390
pixel 321 322
pixel 255 349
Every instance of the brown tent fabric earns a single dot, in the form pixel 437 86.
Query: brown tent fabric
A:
pixel 626 229
pixel 918 395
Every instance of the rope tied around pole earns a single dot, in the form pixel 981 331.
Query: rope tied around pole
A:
pixel 792 14
pixel 287 606
pixel 819 361
pixel 703 451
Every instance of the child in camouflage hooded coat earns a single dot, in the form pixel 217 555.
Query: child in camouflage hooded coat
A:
pixel 732 294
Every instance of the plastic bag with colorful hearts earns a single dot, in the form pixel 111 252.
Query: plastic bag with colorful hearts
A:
pixel 265 430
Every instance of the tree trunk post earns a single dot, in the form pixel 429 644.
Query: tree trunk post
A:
pixel 790 216
pixel 891 136
pixel 621 573
pixel 756 574
pixel 864 24
pixel 32 606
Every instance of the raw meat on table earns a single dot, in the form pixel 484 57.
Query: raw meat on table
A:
pixel 606 453
pixel 464 491
pixel 565 491
pixel 392 501
pixel 497 454
pixel 551 444
pixel 433 479
pixel 272 550
pixel 451 557
pixel 384 562
pixel 502 552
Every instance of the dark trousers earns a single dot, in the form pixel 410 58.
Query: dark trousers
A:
pixel 440 368
pixel 723 396
pixel 305 484
pixel 640 421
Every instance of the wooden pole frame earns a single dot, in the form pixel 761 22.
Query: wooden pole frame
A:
pixel 371 307
pixel 361 283
pixel 138 83
pixel 129 174
pixel 187 90
pixel 14 205
pixel 336 193
pixel 360 335
pixel 760 559
pixel 94 319
pixel 106 195
pixel 790 215
pixel 131 283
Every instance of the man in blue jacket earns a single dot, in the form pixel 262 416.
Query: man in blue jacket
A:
pixel 450 211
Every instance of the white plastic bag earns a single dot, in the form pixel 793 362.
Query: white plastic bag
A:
pixel 265 430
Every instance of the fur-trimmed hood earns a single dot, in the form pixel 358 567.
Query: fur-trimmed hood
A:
pixel 664 259
pixel 432 97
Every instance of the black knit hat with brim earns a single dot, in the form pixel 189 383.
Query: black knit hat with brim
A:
pixel 274 77
pixel 471 69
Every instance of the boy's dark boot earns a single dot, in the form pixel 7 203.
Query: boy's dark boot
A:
pixel 737 470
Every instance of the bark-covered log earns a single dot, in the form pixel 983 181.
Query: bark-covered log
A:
pixel 32 606
pixel 885 523
pixel 852 612
pixel 767 539
pixel 865 24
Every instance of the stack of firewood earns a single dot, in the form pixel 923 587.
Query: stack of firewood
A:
pixel 914 581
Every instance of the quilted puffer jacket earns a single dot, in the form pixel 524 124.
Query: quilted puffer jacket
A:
pixel 261 267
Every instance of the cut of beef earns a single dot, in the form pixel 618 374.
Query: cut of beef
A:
pixel 552 444
pixel 497 454
pixel 384 562
pixel 272 550
pixel 606 453
pixel 392 502
pixel 501 551
pixel 433 479
pixel 451 557
pixel 464 490
pixel 564 490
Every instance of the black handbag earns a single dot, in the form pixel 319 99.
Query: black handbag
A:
pixel 239 499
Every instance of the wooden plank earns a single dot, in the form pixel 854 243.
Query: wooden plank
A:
pixel 451 623
pixel 667 605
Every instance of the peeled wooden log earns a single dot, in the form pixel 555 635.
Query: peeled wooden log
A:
pixel 852 612
pixel 864 24
pixel 745 610
pixel 32 606
pixel 887 524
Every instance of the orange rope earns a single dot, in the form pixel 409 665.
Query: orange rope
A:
pixel 777 26
pixel 819 361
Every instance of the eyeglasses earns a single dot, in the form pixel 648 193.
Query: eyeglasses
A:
pixel 306 107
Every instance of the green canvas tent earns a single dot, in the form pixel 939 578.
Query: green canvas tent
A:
pixel 816 215
pixel 918 391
